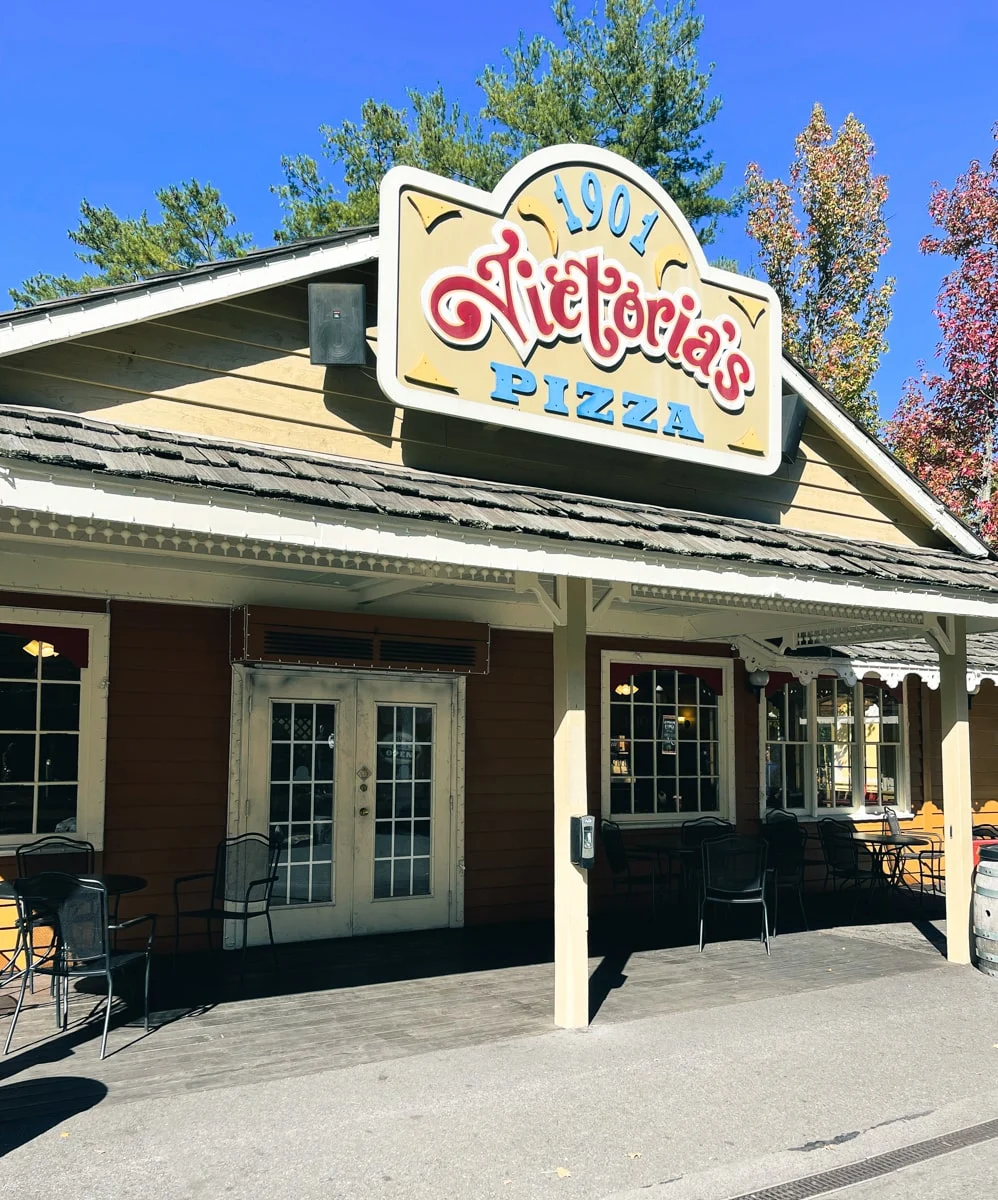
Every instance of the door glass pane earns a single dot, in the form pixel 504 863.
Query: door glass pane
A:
pixel 302 753
pixel 404 788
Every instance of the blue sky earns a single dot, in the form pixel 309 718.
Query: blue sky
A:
pixel 114 99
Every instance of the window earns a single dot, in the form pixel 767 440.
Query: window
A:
pixel 787 737
pixel 664 740
pixel 831 747
pixel 882 745
pixel 51 768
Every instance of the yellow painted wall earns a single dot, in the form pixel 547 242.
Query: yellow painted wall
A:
pixel 240 370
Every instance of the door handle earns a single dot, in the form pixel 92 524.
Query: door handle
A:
pixel 364 812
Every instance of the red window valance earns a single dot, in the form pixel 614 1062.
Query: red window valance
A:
pixel 713 677
pixel 74 644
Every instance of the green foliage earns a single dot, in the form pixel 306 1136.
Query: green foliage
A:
pixel 821 240
pixel 433 134
pixel 625 77
pixel 194 228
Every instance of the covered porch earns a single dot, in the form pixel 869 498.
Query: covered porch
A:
pixel 383 998
pixel 577 574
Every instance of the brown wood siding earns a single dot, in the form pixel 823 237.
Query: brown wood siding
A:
pixel 509 799
pixel 509 766
pixel 240 370
pixel 167 748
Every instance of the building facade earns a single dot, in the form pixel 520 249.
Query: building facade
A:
pixel 413 606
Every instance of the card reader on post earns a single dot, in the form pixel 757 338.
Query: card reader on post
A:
pixel 583 833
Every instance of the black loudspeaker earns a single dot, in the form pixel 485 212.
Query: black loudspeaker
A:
pixel 337 323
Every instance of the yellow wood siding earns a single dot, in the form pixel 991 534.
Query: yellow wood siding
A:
pixel 240 370
pixel 927 755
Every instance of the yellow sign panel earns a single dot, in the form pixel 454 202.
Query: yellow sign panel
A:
pixel 575 301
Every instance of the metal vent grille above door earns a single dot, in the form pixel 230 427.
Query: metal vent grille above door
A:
pixel 292 638
pixel 310 643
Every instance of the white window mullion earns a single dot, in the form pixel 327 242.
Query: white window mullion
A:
pixel 812 744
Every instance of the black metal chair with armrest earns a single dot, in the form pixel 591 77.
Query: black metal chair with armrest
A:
pixel 632 870
pixel 76 911
pixel 934 857
pixel 924 847
pixel 734 873
pixel 242 884
pixel 849 861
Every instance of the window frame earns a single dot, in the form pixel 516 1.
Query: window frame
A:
pixel 92 771
pixel 725 735
pixel 857 811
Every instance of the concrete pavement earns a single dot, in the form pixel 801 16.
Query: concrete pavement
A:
pixel 708 1103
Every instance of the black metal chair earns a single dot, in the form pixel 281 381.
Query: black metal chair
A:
pixel 923 853
pixel 848 860
pixel 76 911
pixel 786 842
pixel 734 873
pixel 629 867
pixel 57 853
pixel 242 884
pixel 692 835
pixel 11 930
pixel 71 856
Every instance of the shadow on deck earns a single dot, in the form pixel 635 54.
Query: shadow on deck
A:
pixel 342 1003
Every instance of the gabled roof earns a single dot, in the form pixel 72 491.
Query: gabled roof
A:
pixel 175 291
pixel 102 448
pixel 113 307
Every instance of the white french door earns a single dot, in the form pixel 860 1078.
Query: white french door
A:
pixel 357 775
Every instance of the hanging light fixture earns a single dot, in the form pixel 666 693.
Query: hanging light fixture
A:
pixel 625 689
pixel 40 649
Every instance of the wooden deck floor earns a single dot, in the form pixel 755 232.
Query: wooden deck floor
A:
pixel 341 1003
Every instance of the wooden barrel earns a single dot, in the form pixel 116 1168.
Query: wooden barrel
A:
pixel 986 911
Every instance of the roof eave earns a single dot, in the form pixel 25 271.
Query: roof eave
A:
pixel 31 329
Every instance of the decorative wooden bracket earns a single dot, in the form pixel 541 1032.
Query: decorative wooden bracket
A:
pixel 616 591
pixel 528 583
pixel 939 631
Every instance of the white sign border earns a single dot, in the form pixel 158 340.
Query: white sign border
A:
pixel 496 202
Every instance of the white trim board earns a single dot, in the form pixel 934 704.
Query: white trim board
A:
pixel 92 769
pixel 231 525
pixel 101 311
pixel 726 716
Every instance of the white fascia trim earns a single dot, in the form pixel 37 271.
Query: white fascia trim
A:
pixel 227 520
pixel 882 465
pixel 98 313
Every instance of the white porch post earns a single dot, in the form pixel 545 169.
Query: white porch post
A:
pixel 957 815
pixel 571 886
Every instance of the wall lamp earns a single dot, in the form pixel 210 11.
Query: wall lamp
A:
pixel 757 681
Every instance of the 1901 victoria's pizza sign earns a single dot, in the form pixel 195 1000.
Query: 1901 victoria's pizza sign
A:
pixel 575 301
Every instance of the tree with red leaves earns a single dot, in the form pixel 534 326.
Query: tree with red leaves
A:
pixel 944 428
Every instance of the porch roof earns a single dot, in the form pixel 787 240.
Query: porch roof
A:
pixel 105 449
pixel 919 657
